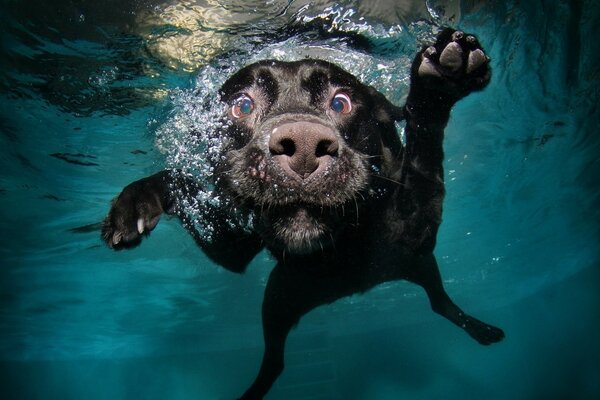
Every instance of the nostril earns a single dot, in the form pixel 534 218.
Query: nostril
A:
pixel 285 146
pixel 326 147
pixel 288 147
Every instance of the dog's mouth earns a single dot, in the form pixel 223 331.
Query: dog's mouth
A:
pixel 301 180
pixel 258 178
pixel 299 229
pixel 298 216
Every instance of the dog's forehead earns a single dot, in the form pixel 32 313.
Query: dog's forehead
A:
pixel 296 78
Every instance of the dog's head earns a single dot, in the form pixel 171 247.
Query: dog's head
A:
pixel 304 142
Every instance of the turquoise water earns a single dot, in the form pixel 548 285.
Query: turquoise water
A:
pixel 94 95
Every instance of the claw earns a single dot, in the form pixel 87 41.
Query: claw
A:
pixel 116 239
pixel 476 59
pixel 140 225
pixel 430 51
pixel 451 57
pixel 456 36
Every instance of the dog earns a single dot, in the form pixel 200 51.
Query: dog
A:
pixel 313 159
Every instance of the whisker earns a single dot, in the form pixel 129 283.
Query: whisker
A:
pixel 262 207
pixel 375 156
pixel 363 139
pixel 332 241
pixel 388 179
pixel 356 205
pixel 223 172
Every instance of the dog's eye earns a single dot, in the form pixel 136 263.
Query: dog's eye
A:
pixel 341 103
pixel 242 106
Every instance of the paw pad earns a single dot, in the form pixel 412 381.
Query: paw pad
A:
pixel 476 60
pixel 455 64
pixel 452 57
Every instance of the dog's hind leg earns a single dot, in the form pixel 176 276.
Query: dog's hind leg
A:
pixel 280 313
pixel 427 275
pixel 291 292
pixel 275 334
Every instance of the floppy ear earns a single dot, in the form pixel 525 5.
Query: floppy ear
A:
pixel 392 111
pixel 386 114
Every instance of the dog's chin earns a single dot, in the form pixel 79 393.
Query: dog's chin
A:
pixel 300 230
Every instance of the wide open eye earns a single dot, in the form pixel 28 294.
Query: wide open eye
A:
pixel 242 106
pixel 341 103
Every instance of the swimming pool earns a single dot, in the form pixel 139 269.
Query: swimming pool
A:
pixel 96 95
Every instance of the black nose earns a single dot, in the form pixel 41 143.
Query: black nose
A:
pixel 301 148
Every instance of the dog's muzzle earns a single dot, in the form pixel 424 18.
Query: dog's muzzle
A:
pixel 303 148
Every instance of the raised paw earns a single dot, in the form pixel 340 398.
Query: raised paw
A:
pixel 456 65
pixel 134 213
pixel 485 334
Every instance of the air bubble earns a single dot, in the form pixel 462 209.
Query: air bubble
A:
pixel 190 137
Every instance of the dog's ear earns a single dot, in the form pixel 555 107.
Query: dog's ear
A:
pixel 386 114
pixel 391 111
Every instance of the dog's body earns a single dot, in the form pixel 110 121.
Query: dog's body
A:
pixel 313 158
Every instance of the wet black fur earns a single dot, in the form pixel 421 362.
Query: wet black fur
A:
pixel 381 223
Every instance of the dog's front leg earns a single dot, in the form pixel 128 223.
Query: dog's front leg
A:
pixel 137 209
pixel 441 75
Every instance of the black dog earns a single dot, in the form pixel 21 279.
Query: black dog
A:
pixel 313 159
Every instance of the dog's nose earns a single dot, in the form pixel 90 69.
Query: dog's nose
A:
pixel 301 148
